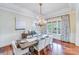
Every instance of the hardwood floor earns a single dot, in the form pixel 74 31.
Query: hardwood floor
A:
pixel 66 48
pixel 7 50
pixel 60 48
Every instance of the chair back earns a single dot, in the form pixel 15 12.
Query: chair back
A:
pixel 14 46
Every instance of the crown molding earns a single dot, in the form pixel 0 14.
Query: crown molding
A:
pixel 58 13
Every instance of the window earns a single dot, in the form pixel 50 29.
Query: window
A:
pixel 55 25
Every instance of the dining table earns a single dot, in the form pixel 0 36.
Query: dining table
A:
pixel 27 43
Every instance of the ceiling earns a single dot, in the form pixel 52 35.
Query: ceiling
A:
pixel 34 7
pixel 46 7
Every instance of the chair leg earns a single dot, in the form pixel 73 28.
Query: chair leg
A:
pixel 13 53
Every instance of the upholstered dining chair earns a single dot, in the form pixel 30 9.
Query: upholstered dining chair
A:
pixel 43 42
pixel 19 51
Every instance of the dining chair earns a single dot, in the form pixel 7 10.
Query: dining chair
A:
pixel 42 43
pixel 19 51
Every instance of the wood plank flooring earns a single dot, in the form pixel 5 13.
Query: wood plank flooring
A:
pixel 66 48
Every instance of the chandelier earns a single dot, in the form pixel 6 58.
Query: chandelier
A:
pixel 41 21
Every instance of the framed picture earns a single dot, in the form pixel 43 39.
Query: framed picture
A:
pixel 20 24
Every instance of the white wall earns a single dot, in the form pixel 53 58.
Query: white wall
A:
pixel 75 7
pixel 77 24
pixel 7 26
pixel 6 22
